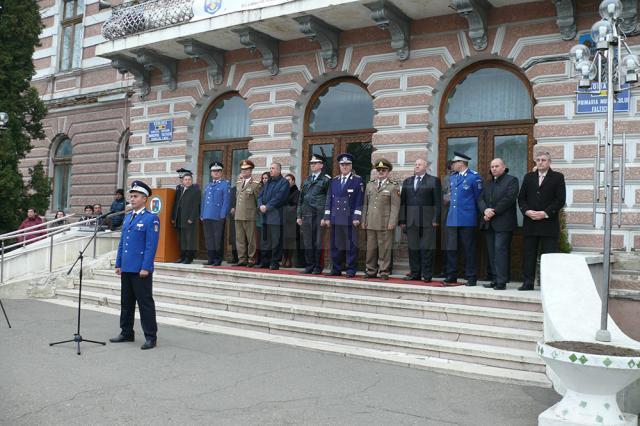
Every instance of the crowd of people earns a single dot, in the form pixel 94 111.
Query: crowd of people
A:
pixel 276 223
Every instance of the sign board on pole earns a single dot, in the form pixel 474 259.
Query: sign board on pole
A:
pixel 160 130
pixel 594 99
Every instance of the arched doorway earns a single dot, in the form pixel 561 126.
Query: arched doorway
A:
pixel 224 137
pixel 487 112
pixel 339 118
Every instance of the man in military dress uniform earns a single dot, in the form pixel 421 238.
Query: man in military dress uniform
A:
pixel 215 207
pixel 134 264
pixel 184 217
pixel 313 197
pixel 342 213
pixel 462 219
pixel 379 219
pixel 246 208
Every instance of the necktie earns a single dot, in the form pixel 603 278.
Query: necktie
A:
pixel 540 179
pixel 379 184
pixel 344 180
pixel 133 217
pixel 416 182
pixel 314 178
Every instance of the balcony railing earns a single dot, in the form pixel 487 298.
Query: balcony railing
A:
pixel 133 18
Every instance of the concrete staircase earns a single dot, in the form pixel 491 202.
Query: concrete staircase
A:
pixel 467 331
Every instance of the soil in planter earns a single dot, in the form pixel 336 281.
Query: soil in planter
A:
pixel 594 348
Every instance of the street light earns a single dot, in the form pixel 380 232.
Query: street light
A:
pixel 609 40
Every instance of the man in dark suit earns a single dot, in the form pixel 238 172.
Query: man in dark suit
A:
pixel 271 203
pixel 497 204
pixel 542 196
pixel 420 205
pixel 186 210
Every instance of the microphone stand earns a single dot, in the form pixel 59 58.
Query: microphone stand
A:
pixel 5 314
pixel 77 337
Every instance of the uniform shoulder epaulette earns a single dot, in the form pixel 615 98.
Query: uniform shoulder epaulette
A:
pixel 473 171
pixel 255 181
pixel 337 177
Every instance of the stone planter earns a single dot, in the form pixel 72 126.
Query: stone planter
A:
pixel 592 383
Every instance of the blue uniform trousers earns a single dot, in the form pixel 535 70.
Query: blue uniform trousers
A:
pixel 214 239
pixel 312 241
pixel 461 239
pixel 271 245
pixel 344 246
pixel 137 289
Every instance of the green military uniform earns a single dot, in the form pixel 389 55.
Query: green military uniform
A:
pixel 379 213
pixel 245 217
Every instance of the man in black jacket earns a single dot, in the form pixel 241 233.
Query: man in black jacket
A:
pixel 541 198
pixel 497 205
pixel 420 204
pixel 186 209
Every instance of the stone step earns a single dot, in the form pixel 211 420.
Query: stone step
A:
pixel 477 296
pixel 525 320
pixel 447 329
pixel 508 358
pixel 434 364
pixel 625 280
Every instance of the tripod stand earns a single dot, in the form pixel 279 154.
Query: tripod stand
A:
pixel 5 314
pixel 77 337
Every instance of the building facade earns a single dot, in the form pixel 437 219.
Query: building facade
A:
pixel 280 80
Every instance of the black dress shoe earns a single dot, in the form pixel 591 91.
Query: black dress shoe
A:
pixel 450 280
pixel 307 271
pixel 258 266
pixel 471 282
pixel 148 344
pixel 120 338
pixel 209 263
pixel 368 275
pixel 490 285
pixel 179 260
pixel 317 271
pixel 427 279
pixel 525 287
pixel 500 287
pixel 274 267
pixel 410 278
pixel 333 274
pixel 187 261
pixel 241 264
pixel 350 275
pixel 384 275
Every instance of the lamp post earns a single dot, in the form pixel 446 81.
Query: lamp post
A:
pixel 607 68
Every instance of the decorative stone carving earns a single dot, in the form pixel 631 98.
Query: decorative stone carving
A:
pixel 328 37
pixel 166 65
pixel 629 17
pixel 266 45
pixel 475 12
pixel 388 17
pixel 213 56
pixel 566 18
pixel 125 64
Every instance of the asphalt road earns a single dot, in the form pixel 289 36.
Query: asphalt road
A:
pixel 199 378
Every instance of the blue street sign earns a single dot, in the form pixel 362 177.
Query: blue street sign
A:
pixel 594 100
pixel 160 130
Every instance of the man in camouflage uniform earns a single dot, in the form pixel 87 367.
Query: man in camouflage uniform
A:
pixel 379 218
pixel 246 207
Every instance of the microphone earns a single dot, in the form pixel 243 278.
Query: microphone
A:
pixel 103 216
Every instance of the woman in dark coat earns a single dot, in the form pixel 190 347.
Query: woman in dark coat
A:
pixel 291 228
pixel 186 211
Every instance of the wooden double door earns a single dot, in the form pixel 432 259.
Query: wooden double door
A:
pixel 514 144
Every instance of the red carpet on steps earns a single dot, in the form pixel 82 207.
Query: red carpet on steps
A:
pixel 358 277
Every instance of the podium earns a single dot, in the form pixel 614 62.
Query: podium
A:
pixel 161 203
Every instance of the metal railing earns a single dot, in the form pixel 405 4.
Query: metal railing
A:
pixel 42 231
pixel 133 18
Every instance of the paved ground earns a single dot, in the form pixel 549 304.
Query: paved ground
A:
pixel 197 378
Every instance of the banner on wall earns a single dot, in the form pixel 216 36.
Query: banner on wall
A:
pixel 205 9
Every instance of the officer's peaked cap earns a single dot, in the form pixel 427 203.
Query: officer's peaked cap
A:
pixel 141 187
pixel 458 156
pixel 383 163
pixel 345 158
pixel 216 165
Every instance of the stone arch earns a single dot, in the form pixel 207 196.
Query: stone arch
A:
pixel 440 89
pixel 300 108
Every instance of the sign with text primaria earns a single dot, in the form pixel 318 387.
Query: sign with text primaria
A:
pixel 160 130
pixel 594 99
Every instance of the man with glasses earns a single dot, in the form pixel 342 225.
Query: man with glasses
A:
pixel 342 213
pixel 542 196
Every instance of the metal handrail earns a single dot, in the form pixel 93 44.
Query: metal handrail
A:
pixel 13 234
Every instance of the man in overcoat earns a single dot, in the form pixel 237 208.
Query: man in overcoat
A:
pixel 497 204
pixel 542 196
pixel 271 202
pixel 186 209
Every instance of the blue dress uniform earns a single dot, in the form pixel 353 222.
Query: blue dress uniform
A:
pixel 216 202
pixel 462 221
pixel 136 251
pixel 344 205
